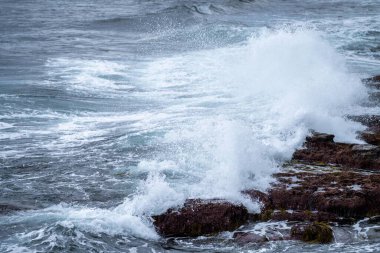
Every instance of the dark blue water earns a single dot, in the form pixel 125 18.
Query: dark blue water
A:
pixel 112 111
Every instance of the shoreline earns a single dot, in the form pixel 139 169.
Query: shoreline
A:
pixel 327 185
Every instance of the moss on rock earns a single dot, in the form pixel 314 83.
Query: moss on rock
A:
pixel 317 232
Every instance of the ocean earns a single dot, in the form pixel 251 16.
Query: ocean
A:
pixel 114 111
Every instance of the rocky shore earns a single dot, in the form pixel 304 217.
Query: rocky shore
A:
pixel 326 186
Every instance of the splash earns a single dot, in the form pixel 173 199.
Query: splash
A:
pixel 275 88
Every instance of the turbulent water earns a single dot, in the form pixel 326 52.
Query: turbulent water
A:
pixel 112 111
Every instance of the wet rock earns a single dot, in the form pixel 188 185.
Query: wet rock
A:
pixel 343 193
pixel 303 215
pixel 364 147
pixel 367 120
pixel 374 220
pixel 201 217
pixel 371 137
pixel 316 232
pixel 320 137
pixel 372 134
pixel 259 196
pixel 340 196
pixel 249 237
pixel 321 148
pixel 373 82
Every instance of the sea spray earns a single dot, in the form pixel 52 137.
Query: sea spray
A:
pixel 285 82
pixel 305 80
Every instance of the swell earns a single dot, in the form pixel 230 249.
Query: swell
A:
pixel 189 12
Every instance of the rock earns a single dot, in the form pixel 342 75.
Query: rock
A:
pixel 316 232
pixel 310 194
pixel 375 79
pixel 321 148
pixel 373 82
pixel 249 237
pixel 340 196
pixel 201 217
pixel 367 120
pixel 260 196
pixel 342 193
pixel 374 219
pixel 371 137
pixel 320 137
pixel 372 134
pixel 364 147
pixel 303 215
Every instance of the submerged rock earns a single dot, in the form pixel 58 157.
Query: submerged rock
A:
pixel 316 232
pixel 249 237
pixel 321 148
pixel 201 217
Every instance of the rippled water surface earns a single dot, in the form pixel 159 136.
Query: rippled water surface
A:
pixel 113 111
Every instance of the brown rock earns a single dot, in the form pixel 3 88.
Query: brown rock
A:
pixel 316 232
pixel 249 237
pixel 374 220
pixel 291 199
pixel 371 137
pixel 340 196
pixel 303 215
pixel 261 197
pixel 345 194
pixel 320 148
pixel 373 82
pixel 367 120
pixel 201 217
pixel 372 133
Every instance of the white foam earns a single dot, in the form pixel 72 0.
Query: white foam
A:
pixel 93 220
pixel 290 81
pixel 304 79
pixel 132 218
pixel 4 125
pixel 89 76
